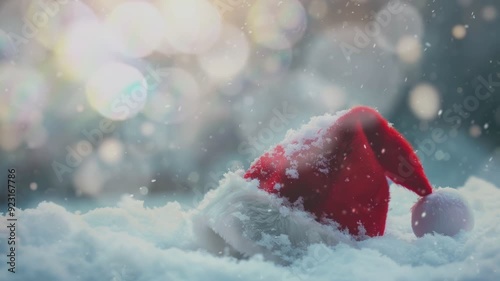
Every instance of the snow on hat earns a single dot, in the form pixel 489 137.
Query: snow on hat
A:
pixel 337 168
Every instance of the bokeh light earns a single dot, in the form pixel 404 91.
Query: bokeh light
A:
pixel 228 56
pixel 459 31
pixel 277 24
pixel 425 101
pixel 56 16
pixel 409 49
pixel 393 27
pixel 111 151
pixel 147 129
pixel 318 9
pixel 84 47
pixel 138 35
pixel 192 26
pixel 475 131
pixel 117 99
pixel 489 13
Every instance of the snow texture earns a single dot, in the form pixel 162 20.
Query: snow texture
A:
pixel 131 242
pixel 313 133
pixel 295 140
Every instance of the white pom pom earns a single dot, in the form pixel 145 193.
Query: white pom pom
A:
pixel 444 211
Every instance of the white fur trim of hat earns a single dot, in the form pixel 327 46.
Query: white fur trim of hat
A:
pixel 251 221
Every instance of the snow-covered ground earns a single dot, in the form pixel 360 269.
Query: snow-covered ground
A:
pixel 131 242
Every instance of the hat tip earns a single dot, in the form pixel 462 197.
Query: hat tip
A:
pixel 364 108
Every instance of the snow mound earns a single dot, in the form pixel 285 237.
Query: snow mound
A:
pixel 131 242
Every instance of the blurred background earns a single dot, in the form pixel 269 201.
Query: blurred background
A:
pixel 156 99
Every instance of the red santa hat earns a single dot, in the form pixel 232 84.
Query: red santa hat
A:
pixel 338 170
pixel 333 169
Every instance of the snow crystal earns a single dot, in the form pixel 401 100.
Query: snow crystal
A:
pixel 292 173
pixel 314 131
pixel 132 242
